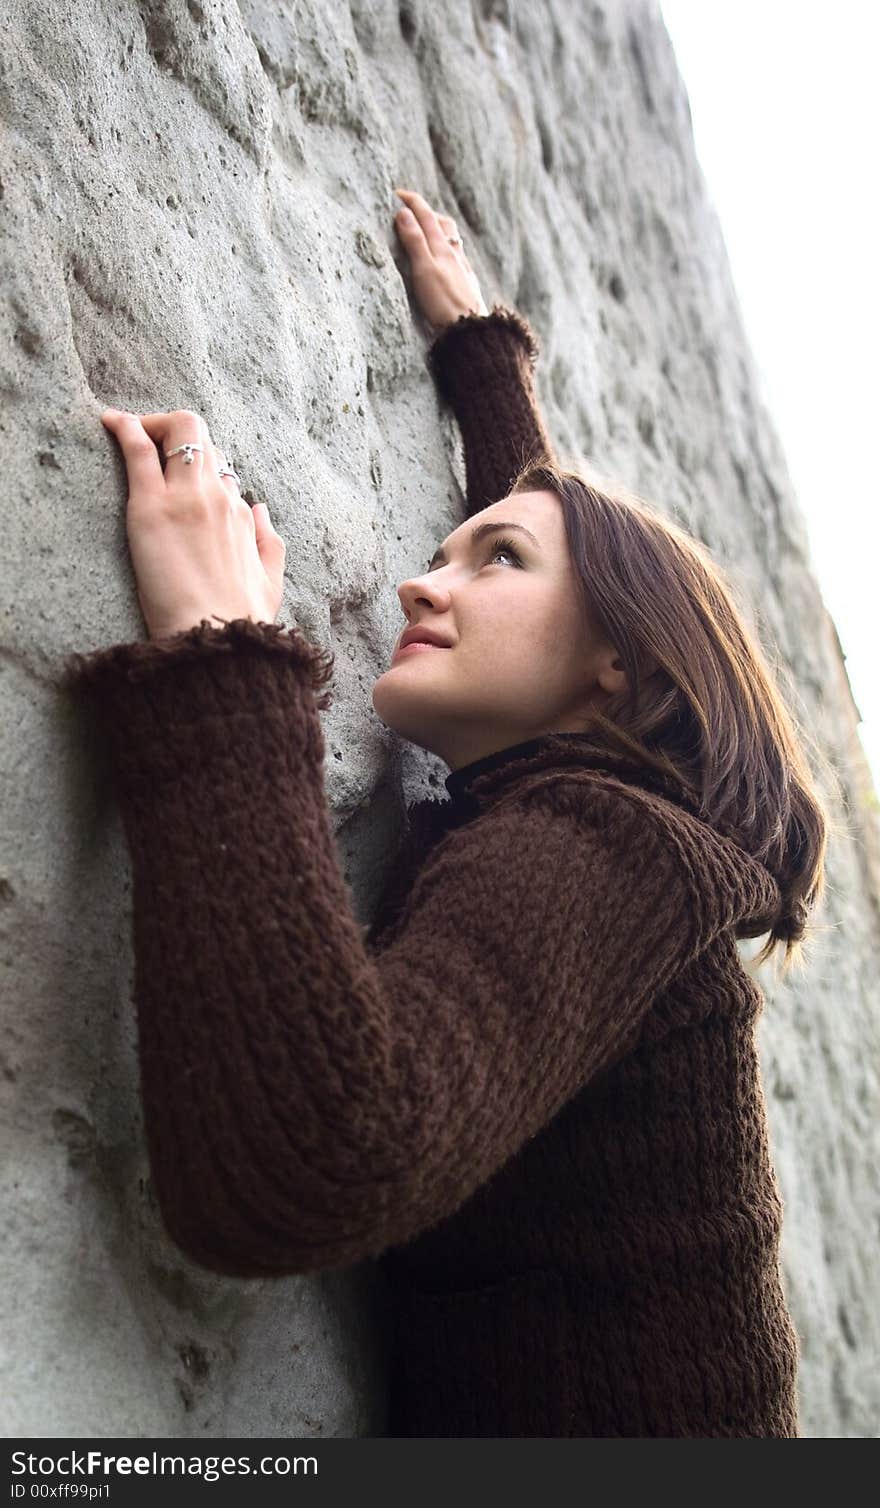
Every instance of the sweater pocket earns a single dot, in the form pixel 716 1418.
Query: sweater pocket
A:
pixel 495 1361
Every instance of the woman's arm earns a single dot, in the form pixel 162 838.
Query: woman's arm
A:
pixel 484 368
pixel 482 361
pixel 308 1105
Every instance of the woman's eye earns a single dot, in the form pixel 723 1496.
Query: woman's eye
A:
pixel 501 547
pixel 504 547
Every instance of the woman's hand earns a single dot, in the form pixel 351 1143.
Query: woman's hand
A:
pixel 197 547
pixel 444 283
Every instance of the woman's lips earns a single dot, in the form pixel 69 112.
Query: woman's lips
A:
pixel 409 649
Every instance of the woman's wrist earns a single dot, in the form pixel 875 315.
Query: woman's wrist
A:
pixel 435 329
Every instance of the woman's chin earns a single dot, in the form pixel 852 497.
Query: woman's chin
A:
pixel 400 707
pixel 398 675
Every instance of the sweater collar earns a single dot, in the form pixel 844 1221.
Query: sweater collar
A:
pixel 471 783
pixel 460 780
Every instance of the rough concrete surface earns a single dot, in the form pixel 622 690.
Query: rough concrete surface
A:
pixel 196 204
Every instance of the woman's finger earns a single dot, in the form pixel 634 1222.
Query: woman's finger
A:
pixel 431 229
pixel 139 452
pixel 451 229
pixel 413 238
pixel 232 487
pixel 221 464
pixel 179 427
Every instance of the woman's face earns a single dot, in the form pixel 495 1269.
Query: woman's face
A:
pixel 521 660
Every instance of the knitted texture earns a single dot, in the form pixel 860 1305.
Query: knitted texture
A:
pixel 484 368
pixel 620 1274
pixel 531 1094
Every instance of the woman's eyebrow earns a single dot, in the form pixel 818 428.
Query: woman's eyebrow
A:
pixel 481 529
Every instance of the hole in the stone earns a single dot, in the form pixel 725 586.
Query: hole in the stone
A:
pixel 407 21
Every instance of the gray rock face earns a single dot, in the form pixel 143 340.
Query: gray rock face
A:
pixel 196 203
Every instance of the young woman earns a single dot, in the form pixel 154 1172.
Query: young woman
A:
pixel 530 1091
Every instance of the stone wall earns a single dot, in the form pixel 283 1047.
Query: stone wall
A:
pixel 196 202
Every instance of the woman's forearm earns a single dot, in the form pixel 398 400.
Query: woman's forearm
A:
pixel 484 368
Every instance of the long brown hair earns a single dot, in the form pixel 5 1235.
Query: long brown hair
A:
pixel 701 705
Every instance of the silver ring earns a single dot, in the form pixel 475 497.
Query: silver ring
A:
pixel 224 470
pixel 187 452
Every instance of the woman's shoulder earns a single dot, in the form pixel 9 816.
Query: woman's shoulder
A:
pixel 637 825
pixel 594 796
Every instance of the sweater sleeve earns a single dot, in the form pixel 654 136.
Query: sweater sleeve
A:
pixel 483 365
pixel 308 1104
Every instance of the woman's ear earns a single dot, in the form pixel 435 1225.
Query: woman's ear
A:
pixel 610 673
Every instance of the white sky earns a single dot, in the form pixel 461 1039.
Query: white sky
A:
pixel 786 110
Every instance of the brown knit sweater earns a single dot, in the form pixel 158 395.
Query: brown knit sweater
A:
pixel 530 1090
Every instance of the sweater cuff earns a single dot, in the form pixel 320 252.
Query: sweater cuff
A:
pixel 140 658
pixel 479 335
pixel 183 697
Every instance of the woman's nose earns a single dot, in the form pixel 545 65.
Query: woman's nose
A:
pixel 424 588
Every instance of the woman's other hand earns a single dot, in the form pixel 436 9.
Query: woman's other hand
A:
pixel 444 283
pixel 198 549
